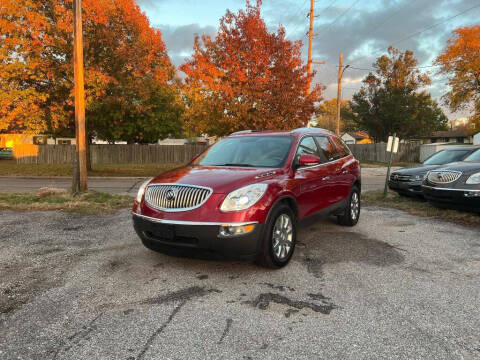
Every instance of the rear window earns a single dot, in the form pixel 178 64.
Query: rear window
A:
pixel 329 149
pixel 342 147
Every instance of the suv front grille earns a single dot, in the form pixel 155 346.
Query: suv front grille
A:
pixel 443 177
pixel 398 177
pixel 175 197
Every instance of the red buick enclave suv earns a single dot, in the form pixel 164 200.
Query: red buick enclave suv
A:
pixel 244 195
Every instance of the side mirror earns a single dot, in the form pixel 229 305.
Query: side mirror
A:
pixel 308 160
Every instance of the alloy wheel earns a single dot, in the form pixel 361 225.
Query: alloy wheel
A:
pixel 282 237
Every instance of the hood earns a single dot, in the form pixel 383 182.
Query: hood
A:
pixel 221 179
pixel 467 168
pixel 416 170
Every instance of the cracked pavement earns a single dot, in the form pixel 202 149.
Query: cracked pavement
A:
pixel 83 287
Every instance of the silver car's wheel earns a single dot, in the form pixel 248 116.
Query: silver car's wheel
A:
pixel 282 237
pixel 279 238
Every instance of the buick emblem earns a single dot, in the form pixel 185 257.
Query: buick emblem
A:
pixel 439 176
pixel 395 177
pixel 170 195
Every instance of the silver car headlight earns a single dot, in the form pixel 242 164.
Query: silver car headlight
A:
pixel 474 179
pixel 243 198
pixel 141 190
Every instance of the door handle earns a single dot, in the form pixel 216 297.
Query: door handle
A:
pixel 326 178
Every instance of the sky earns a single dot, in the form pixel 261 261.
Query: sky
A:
pixel 361 29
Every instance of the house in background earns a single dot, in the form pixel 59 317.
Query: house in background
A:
pixel 476 139
pixel 461 136
pixel 356 137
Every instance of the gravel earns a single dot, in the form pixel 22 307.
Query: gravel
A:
pixel 83 287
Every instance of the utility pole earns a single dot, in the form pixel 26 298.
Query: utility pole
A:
pixel 341 69
pixel 310 44
pixel 81 162
pixel 310 41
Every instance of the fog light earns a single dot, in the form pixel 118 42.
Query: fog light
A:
pixel 233 230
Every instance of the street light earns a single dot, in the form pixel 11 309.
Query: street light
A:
pixel 341 69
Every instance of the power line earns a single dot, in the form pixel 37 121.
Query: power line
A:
pixel 422 31
pixel 340 16
pixel 388 18
pixel 411 67
pixel 329 6
pixel 435 25
pixel 296 15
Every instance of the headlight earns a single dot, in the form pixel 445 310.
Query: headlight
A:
pixel 141 190
pixel 243 198
pixel 474 179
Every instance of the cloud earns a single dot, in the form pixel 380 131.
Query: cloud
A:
pixel 362 34
pixel 179 39
pixel 150 3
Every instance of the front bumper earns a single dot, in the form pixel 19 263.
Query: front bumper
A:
pixel 196 238
pixel 406 187
pixel 465 199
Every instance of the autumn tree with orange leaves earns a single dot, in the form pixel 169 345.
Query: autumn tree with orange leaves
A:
pixel 127 71
pixel 461 61
pixel 246 78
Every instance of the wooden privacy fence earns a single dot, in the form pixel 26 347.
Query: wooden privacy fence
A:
pixel 107 154
pixel 145 154
pixel 407 152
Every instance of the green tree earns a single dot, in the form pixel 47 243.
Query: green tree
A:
pixel 326 116
pixel 391 100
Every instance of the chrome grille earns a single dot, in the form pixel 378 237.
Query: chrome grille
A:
pixel 443 177
pixel 175 197
pixel 398 177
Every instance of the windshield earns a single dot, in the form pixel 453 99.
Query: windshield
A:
pixel 475 157
pixel 445 157
pixel 250 151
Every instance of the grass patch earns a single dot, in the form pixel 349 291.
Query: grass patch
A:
pixel 376 164
pixel 89 203
pixel 419 207
pixel 11 168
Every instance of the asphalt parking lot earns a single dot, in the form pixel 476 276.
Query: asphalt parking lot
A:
pixel 397 287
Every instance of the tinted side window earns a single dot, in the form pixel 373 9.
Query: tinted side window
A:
pixel 329 149
pixel 344 149
pixel 307 147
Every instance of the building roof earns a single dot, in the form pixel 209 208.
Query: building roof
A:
pixel 452 133
pixel 359 135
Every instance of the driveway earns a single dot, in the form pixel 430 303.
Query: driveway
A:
pixel 83 287
pixel 372 178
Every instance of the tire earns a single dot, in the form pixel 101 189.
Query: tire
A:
pixel 351 213
pixel 280 233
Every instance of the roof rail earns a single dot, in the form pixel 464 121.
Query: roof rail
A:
pixel 245 132
pixel 309 129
